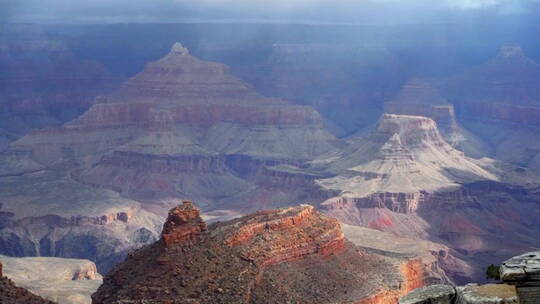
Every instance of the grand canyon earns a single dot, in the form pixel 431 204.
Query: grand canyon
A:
pixel 265 163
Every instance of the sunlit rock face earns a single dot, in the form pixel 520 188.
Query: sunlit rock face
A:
pixel 274 256
pixel 404 178
pixel 421 97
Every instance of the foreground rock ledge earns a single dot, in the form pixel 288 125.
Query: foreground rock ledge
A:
pixel 524 272
pixel 468 294
pixel 289 255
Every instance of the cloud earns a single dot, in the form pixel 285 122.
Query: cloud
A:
pixel 335 11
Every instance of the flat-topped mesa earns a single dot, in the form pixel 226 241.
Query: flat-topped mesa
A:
pixel 413 131
pixel 444 114
pixel 272 237
pixel 183 224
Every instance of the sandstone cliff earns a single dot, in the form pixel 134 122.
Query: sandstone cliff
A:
pixel 278 256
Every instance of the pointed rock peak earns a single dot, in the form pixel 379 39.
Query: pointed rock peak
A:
pixel 511 51
pixel 179 49
pixel 183 224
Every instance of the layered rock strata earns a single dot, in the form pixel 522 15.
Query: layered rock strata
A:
pixel 468 294
pixel 278 256
pixel 524 272
pixel 183 127
pixel 421 97
pixel 404 178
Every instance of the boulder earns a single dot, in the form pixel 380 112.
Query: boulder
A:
pixel 486 294
pixel 434 294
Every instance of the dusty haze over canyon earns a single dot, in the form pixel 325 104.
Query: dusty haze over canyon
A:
pixel 199 152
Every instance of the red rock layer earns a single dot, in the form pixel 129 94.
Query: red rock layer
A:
pixel 290 255
pixel 294 236
pixel 413 272
pixel 183 224
pixel 396 202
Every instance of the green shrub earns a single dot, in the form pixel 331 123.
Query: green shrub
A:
pixel 492 272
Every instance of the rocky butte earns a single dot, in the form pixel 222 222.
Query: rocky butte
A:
pixel 404 178
pixel 286 255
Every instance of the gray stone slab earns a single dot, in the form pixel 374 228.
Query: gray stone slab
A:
pixel 434 294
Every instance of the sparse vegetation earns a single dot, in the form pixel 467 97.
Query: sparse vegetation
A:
pixel 492 272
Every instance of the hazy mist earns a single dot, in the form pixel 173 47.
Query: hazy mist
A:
pixel 298 11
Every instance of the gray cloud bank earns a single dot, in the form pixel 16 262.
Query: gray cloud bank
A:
pixel 309 11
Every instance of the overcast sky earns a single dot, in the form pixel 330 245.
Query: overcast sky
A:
pixel 310 11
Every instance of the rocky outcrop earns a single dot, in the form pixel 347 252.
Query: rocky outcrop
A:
pixel 276 256
pixel 403 176
pixel 524 272
pixel 489 293
pixel 183 224
pixel 276 250
pixel 468 294
pixel 404 154
pixel 439 294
